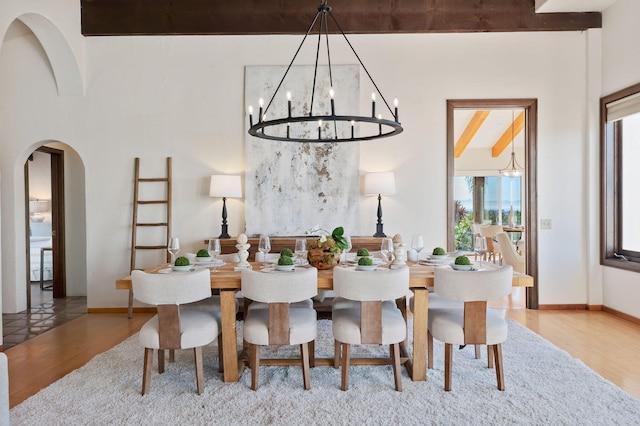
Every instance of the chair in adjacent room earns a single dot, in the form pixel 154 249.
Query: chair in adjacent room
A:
pixel 283 315
pixel 175 327
pixel 473 323
pixel 510 255
pixel 366 314
pixel 493 247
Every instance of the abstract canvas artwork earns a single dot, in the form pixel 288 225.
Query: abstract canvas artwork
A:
pixel 291 187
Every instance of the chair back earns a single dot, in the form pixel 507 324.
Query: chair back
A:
pixel 489 230
pixel 470 286
pixel 171 289
pixel 370 286
pixel 284 287
pixel 509 254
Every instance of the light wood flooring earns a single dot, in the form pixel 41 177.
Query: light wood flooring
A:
pixel 605 343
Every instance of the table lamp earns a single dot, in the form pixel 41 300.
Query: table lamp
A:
pixel 379 183
pixel 37 207
pixel 225 186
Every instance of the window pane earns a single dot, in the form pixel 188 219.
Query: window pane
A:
pixel 463 197
pixel 630 193
pixel 512 197
pixel 491 200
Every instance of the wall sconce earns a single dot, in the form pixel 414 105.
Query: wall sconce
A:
pixel 379 183
pixel 225 186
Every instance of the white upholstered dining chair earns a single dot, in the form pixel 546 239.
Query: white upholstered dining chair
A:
pixel 510 255
pixel 175 327
pixel 366 313
pixel 473 323
pixel 281 315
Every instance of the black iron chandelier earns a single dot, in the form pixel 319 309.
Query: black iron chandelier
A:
pixel 331 126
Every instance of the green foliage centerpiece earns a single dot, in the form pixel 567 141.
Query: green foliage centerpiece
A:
pixel 324 253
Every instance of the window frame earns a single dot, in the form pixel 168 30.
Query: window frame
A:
pixel 610 188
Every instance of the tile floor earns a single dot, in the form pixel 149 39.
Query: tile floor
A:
pixel 45 314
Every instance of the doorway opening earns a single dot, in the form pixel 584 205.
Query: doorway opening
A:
pixel 488 129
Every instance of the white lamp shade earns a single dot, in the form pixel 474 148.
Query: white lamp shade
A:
pixel 228 186
pixel 39 206
pixel 379 183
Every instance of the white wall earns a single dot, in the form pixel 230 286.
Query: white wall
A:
pixel 620 69
pixel 182 97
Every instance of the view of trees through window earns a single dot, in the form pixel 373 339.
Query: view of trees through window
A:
pixel 494 197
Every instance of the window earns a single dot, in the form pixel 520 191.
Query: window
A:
pixel 620 197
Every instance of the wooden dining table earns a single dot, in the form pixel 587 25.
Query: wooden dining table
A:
pixel 228 281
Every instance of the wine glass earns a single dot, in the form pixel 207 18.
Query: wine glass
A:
pixel 173 247
pixel 348 249
pixel 301 249
pixel 417 243
pixel 264 246
pixel 480 246
pixel 214 250
pixel 386 248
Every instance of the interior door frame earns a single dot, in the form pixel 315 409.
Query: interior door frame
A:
pixel 57 222
pixel 530 107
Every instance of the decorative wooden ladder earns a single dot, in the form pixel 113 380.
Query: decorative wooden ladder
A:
pixel 166 202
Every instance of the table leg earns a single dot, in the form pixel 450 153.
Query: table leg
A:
pixel 420 317
pixel 229 339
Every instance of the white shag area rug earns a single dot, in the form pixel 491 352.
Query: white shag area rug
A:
pixel 544 386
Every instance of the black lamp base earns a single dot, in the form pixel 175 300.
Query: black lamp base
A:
pixel 225 233
pixel 379 225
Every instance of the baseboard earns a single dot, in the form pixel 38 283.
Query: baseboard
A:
pixel 120 310
pixel 574 307
pixel 621 315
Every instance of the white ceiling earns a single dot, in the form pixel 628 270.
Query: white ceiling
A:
pixel 491 130
pixel 550 6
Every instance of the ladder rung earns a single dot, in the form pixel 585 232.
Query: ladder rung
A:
pixel 152 224
pixel 153 180
pixel 151 247
pixel 153 202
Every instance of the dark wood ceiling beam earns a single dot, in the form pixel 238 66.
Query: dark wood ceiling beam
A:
pixel 184 17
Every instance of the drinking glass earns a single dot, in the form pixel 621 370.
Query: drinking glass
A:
pixel 301 249
pixel 386 248
pixel 480 246
pixel 214 250
pixel 346 251
pixel 264 246
pixel 417 243
pixel 173 247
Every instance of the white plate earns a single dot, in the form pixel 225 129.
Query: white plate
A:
pixel 438 257
pixel 204 259
pixel 164 271
pixel 185 268
pixel 366 267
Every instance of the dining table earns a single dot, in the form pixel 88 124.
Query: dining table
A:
pixel 227 281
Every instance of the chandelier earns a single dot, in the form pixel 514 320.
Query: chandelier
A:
pixel 333 125
pixel 513 169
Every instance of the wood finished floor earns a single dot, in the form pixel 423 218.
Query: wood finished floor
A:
pixel 605 343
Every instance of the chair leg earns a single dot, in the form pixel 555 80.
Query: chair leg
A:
pixel 497 352
pixel 490 356
pixel 172 355
pixel 197 355
pixel 478 355
pixel 160 361
pixel 254 363
pixel 146 370
pixel 304 356
pixel 220 355
pixel 336 354
pixel 395 354
pixel 312 353
pixel 346 360
pixel 429 351
pixel 448 357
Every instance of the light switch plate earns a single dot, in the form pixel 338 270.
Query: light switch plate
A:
pixel 545 223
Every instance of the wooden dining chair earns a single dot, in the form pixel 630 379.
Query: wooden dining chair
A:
pixel 366 314
pixel 510 255
pixel 175 326
pixel 282 315
pixel 473 323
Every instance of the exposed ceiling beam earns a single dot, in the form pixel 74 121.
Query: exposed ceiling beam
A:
pixel 189 17
pixel 509 135
pixel 469 132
